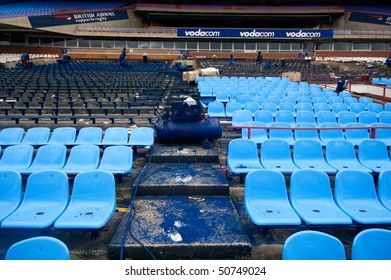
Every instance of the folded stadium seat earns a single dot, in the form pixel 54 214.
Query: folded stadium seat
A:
pixel 384 188
pixel 341 155
pixel 92 203
pixel 231 107
pixel 216 109
pixel 365 100
pixel 251 106
pixel 334 134
pixel 256 135
pixel 282 134
pixel 372 244
pixel 355 194
pixel 339 107
pixel 345 117
pixel 309 154
pixel 385 117
pixel 36 136
pixel 357 108
pixel 374 155
pixel 276 155
pixel 241 116
pixel 10 192
pixel 356 136
pixel 266 200
pixel 45 198
pixel 377 108
pixel 142 136
pixel 89 135
pixel 243 156
pixel 63 135
pixel 270 106
pixel 307 107
pixel 311 197
pixel 82 158
pixel 115 136
pixel 11 136
pixel 18 157
pixel 264 116
pixel 38 248
pixel 325 117
pixel 349 100
pixel 313 245
pixel 48 157
pixel 383 134
pixel 117 160
pixel 285 116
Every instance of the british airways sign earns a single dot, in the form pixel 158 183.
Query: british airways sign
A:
pixel 254 33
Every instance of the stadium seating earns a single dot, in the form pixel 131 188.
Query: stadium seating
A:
pixel 142 136
pixel 264 116
pixel 330 134
pixel 36 136
pixel 243 156
pixel 82 158
pixel 38 248
pixel 357 108
pixel 373 154
pixel 115 136
pixel 256 135
pixel 383 134
pixel 231 107
pixel 356 136
pixel 345 117
pixel 117 160
pixel 384 188
pixel 89 135
pixel 11 136
pixel 313 245
pixel 276 155
pixel 10 192
pixel 216 109
pixel 266 200
pixel 18 157
pixel 282 134
pixel 372 244
pixel 240 117
pixel 367 117
pixel 63 136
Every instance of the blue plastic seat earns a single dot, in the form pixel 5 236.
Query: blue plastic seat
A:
pixel 270 106
pixel 36 136
pixel 304 99
pixel 264 116
pixel 383 134
pixel 374 155
pixel 325 117
pixel 334 134
pixel 341 155
pixel 266 200
pixel 356 136
pixel 288 106
pixel 93 201
pixel 142 136
pixel 335 99
pixel 274 99
pixel 357 108
pixel 18 157
pixel 285 116
pixel 384 188
pixel 338 107
pixel 305 116
pixel 308 154
pixel 49 157
pixel 117 160
pixel 387 107
pixel 355 194
pixel 89 135
pixel 243 156
pixel 344 94
pixel 282 134
pixel 349 100
pixel 345 117
pixel 377 108
pixel 372 244
pixel 306 107
pixel 82 158
pixel 319 99
pixel 321 107
pixel 45 198
pixel 306 134
pixel 256 135
pixel 231 107
pixel 216 109
pixel 244 98
pixel 367 117
pixel 10 192
pixel 38 248
pixel 311 197
pixel 115 136
pixel 313 245
pixel 63 135
pixel 222 96
pixel 11 136
pixel 252 106
pixel 385 117
pixel 276 155
pixel 241 117
pixel 259 99
pixel 365 100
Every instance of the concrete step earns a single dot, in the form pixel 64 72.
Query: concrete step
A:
pixel 181 227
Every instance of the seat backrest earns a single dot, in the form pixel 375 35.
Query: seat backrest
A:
pixel 365 100
pixel 338 107
pixel 251 106
pixel 84 155
pixel 63 135
pixel 349 100
pixel 384 188
pixel 36 136
pixel 243 98
pixel 142 136
pixel 285 116
pixel 11 135
pixel 366 117
pixel 307 150
pixel 345 117
pixel 10 192
pixel 375 107
pixel 275 149
pixel 231 107
pixel 89 135
pixel 357 107
pixel 38 248
pixel 270 106
pixel 117 157
pixel 242 149
pixel 240 117
pixel 305 116
pixel 385 117
pixel 115 135
pixel 287 106
pixel 254 133
pixel 52 156
pixel 321 107
pixel 313 245
pixel 340 150
pixel 372 150
pixel 306 134
pixel 215 108
pixel 264 116
pixel 372 244
pixel 304 107
pixel 17 155
pixel 332 133
pixel 325 116
pixel 276 133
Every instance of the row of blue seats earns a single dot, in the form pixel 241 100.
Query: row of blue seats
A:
pixel 311 200
pixel 355 133
pixel 139 136
pixel 275 154
pixel 84 157
pixel 382 81
pixel 47 200
pixel 369 244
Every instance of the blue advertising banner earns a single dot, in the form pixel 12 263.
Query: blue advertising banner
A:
pixel 254 33
pixel 370 18
pixel 80 18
